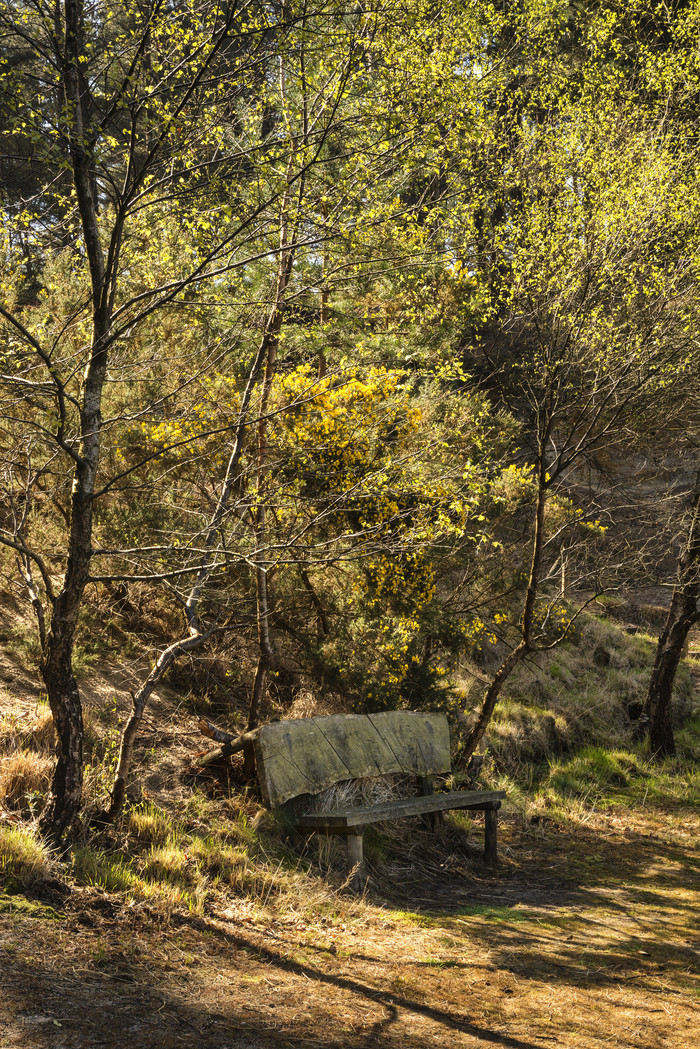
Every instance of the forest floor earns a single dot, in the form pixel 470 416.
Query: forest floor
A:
pixel 586 936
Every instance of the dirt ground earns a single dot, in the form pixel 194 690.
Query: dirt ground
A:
pixel 587 936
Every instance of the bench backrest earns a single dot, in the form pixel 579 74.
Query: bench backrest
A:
pixel 309 754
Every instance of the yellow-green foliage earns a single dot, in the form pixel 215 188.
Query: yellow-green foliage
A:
pixel 406 473
pixel 337 430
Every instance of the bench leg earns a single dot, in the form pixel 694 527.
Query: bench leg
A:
pixel 356 863
pixel 432 820
pixel 491 834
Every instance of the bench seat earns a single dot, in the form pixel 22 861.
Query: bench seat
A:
pixel 340 820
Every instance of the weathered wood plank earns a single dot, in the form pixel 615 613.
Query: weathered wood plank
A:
pixel 307 755
pixel 400 808
pixel 420 741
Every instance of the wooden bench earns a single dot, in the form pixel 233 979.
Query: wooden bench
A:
pixel 296 760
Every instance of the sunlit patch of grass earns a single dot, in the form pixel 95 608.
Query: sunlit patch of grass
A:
pixel 187 858
pixel 597 778
pixel 496 914
pixel 423 921
pixel 17 905
pixel 151 824
pixel 167 863
pixel 111 872
pixel 438 963
pixel 593 771
pixel 688 738
pixel 671 782
pixel 228 864
pixel 459 915
pixel 164 898
pixel 24 858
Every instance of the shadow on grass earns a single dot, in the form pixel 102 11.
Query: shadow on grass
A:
pixel 110 1006
pixel 585 908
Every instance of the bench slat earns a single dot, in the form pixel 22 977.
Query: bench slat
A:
pixel 358 815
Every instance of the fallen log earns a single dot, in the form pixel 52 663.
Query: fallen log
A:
pixel 208 728
pixel 233 746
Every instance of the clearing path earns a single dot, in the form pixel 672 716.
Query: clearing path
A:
pixel 587 937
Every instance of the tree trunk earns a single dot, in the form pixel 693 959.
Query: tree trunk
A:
pixel 266 654
pixel 488 703
pixel 140 699
pixel 57 661
pixel 682 615
pixel 525 645
pixel 65 795
pixel 658 704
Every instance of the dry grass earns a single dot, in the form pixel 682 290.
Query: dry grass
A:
pixel 368 791
pixel 24 781
pixel 26 748
pixel 30 731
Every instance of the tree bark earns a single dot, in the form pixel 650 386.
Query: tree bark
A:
pixel 682 615
pixel 232 746
pixel 266 654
